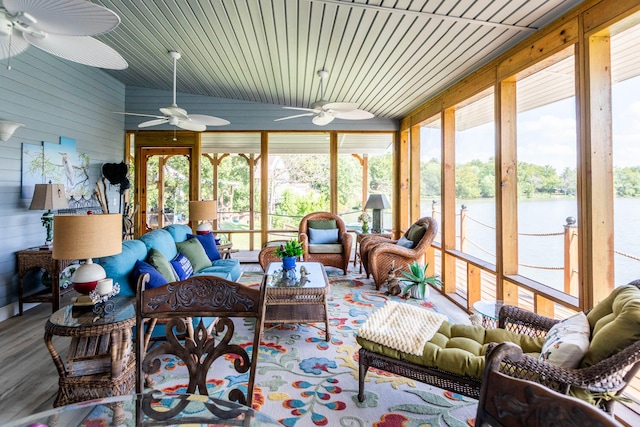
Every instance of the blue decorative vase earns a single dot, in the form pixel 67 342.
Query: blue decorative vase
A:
pixel 289 262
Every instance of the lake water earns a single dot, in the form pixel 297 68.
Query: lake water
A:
pixel 547 217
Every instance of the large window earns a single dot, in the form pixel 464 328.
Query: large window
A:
pixel 547 159
pixel 475 177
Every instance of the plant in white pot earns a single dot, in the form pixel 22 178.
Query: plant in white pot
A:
pixel 417 282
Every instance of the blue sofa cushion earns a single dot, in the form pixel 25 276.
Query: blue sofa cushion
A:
pixel 231 265
pixel 215 271
pixel 162 241
pixel 178 231
pixel 119 267
pixel 208 242
pixel 155 278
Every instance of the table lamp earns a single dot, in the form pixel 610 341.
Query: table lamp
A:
pixel 48 197
pixel 377 202
pixel 86 237
pixel 203 210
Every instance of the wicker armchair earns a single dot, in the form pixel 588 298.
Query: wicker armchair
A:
pixel 378 253
pixel 337 254
pixel 610 375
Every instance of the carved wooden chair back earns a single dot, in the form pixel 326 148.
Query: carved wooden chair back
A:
pixel 507 401
pixel 176 303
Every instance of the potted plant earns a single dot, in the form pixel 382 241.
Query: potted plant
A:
pixel 289 252
pixel 417 281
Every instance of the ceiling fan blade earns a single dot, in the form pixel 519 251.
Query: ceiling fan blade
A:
pixel 295 117
pixel 68 17
pixel 18 45
pixel 208 120
pixel 154 122
pixel 323 119
pixel 175 111
pixel 189 125
pixel 340 107
pixel 355 115
pixel 84 50
pixel 138 114
pixel 303 109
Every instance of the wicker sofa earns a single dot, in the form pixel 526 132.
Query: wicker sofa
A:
pixel 454 358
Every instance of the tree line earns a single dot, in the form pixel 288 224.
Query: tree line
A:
pixel 476 179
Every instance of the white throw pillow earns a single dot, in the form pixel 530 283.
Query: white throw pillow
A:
pixel 567 342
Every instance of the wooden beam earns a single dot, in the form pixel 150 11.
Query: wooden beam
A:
pixel 414 175
pixel 596 220
pixel 264 186
pixel 333 171
pixel 401 175
pixel 448 221
pixel 506 189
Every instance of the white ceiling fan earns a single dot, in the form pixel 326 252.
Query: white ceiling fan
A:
pixel 324 112
pixel 62 28
pixel 177 116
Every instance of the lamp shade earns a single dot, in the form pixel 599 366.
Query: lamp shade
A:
pixel 377 201
pixel 86 236
pixel 202 210
pixel 49 197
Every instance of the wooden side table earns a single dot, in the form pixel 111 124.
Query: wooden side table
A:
pixel 40 258
pixel 100 361
pixel 359 236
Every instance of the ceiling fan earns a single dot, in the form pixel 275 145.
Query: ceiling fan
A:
pixel 177 116
pixel 324 112
pixel 62 28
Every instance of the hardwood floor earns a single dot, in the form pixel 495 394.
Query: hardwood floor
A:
pixel 28 377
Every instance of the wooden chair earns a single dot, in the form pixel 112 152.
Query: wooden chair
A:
pixel 507 401
pixel 203 297
pixel 333 254
pixel 378 253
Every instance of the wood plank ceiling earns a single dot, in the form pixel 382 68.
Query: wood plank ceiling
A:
pixel 387 56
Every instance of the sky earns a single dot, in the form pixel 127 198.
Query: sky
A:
pixel 547 135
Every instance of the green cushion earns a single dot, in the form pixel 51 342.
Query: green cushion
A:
pixel 195 253
pixel 415 233
pixel 459 349
pixel 162 264
pixel 615 323
pixel 322 224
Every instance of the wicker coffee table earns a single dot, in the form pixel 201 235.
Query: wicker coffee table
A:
pixel 294 302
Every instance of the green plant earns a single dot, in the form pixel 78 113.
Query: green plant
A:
pixel 293 248
pixel 417 277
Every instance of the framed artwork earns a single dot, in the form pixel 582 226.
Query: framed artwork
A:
pixel 59 163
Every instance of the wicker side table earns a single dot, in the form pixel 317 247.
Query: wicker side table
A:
pixel 100 361
pixel 40 258
pixel 298 304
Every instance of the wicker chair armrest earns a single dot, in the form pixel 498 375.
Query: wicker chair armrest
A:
pixel 372 241
pixel 303 238
pixel 524 321
pixel 607 375
pixel 392 249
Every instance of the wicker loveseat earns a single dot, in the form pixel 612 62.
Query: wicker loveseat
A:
pixel 454 358
pixel 378 253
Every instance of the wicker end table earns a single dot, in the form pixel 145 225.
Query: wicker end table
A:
pixel 100 362
pixel 306 303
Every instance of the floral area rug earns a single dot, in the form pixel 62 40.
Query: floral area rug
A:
pixel 304 381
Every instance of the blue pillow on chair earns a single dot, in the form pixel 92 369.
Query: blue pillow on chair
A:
pixel 318 236
pixel 155 278
pixel 403 241
pixel 182 266
pixel 208 242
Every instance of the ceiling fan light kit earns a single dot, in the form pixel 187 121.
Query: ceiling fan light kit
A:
pixel 62 28
pixel 325 112
pixel 176 116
